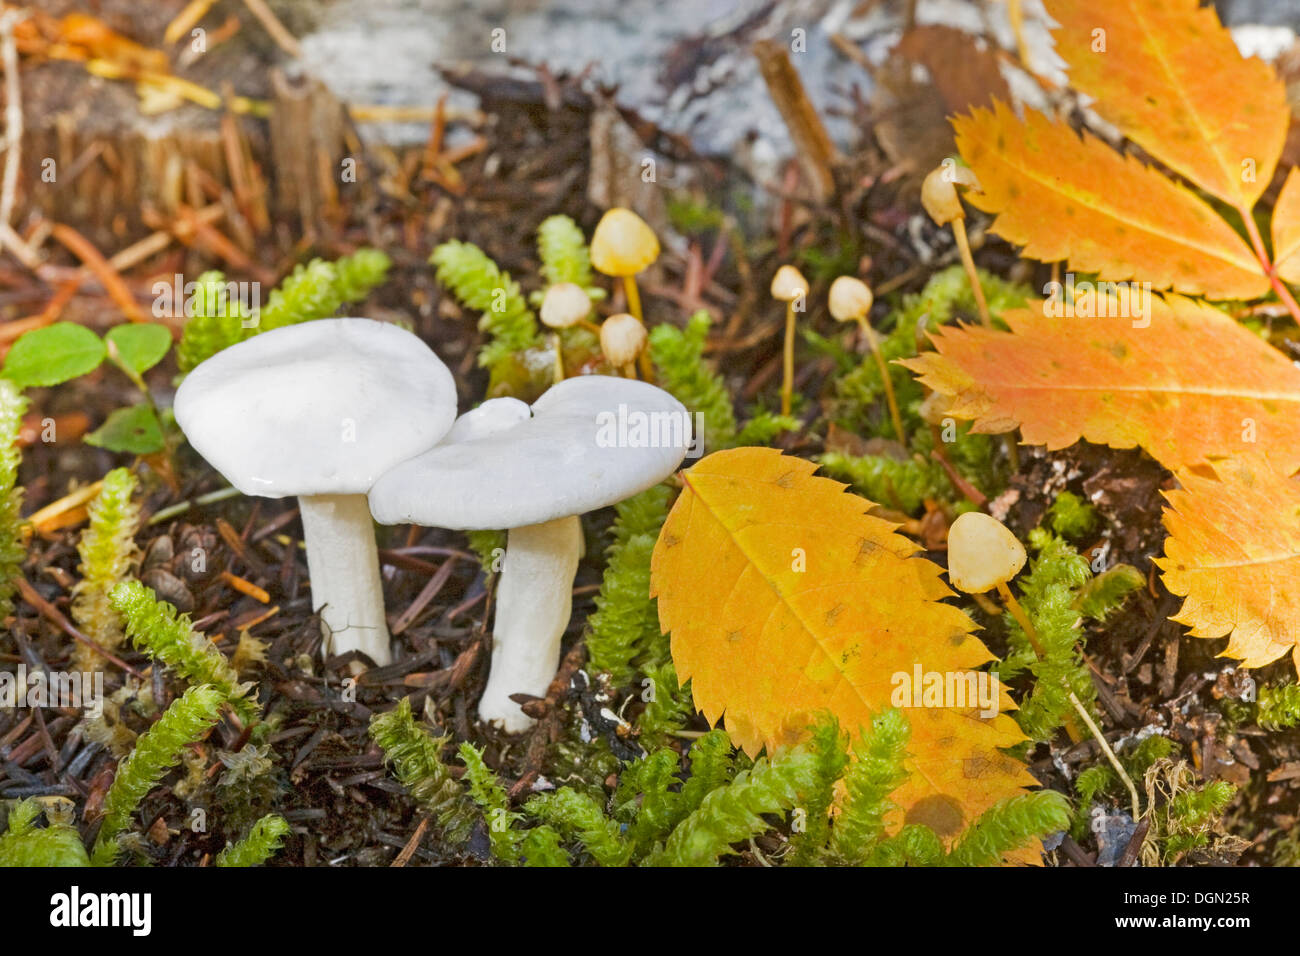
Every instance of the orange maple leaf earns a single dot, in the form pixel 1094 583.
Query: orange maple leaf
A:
pixel 1168 75
pixel 1171 78
pixel 1066 198
pixel 1286 228
pixel 1233 553
pixel 1190 386
pixel 785 598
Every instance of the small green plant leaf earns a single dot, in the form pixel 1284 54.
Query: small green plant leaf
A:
pixel 133 429
pixel 139 346
pixel 54 354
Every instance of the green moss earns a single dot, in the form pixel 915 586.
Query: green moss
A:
pixel 624 628
pixel 156 751
pixel 416 758
pixel 261 843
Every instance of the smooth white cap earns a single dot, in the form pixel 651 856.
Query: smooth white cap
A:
pixel 322 407
pixel 590 441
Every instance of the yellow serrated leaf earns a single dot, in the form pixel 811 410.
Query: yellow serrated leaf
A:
pixel 1286 229
pixel 785 599
pixel 1186 383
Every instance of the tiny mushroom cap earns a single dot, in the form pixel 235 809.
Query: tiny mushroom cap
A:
pixel 982 553
pixel 788 284
pixel 320 410
pixel 565 304
pixel 939 191
pixel 623 244
pixel 936 409
pixel 850 299
pixel 622 339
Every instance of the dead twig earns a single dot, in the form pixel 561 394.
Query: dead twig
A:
pixel 817 153
pixel 55 616
pixel 282 37
pixel 94 260
pixel 13 140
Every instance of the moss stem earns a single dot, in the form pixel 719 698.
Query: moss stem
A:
pixel 1022 619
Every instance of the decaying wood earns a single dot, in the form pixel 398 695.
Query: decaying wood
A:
pixel 623 170
pixel 104 180
pixel 308 130
pixel 817 154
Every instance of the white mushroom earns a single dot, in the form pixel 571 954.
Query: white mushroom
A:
pixel 320 410
pixel 589 442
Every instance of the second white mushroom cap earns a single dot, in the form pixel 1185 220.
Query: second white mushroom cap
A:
pixel 589 442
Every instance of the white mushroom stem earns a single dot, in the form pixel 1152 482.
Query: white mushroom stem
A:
pixel 534 602
pixel 344 568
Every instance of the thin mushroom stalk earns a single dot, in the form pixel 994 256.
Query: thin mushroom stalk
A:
pixel 788 286
pixel 983 555
pixel 1031 634
pixel 343 563
pixel 633 296
pixel 850 300
pixel 941 200
pixel 534 603
pixel 873 343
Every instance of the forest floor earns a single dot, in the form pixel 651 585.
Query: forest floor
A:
pixel 533 155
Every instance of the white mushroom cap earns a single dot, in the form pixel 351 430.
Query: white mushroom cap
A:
pixel 850 299
pixel 322 407
pixel 591 441
pixel 982 553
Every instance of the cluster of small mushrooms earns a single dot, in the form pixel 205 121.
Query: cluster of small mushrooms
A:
pixel 357 418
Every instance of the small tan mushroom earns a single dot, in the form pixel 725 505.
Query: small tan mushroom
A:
pixel 789 286
pixel 982 553
pixel 622 340
pixel 623 245
pixel 565 305
pixel 941 200
pixel 850 300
